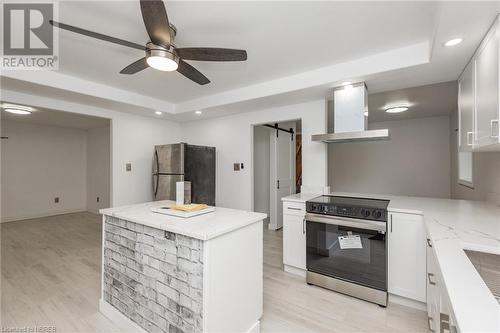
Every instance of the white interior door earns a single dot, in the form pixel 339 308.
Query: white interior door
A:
pixel 282 173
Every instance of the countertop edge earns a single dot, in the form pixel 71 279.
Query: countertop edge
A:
pixel 247 218
pixel 300 197
pixel 203 237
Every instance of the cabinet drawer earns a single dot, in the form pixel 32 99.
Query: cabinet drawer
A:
pixel 294 208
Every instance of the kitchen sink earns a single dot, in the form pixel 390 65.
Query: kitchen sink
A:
pixel 488 266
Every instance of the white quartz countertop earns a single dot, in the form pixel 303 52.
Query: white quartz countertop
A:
pixel 204 227
pixel 300 197
pixel 452 226
pixel 475 224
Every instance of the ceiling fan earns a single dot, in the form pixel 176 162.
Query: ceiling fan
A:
pixel 161 52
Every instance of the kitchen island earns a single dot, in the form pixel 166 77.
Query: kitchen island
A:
pixel 169 274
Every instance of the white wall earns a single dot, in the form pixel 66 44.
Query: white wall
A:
pixel 415 161
pixel 261 168
pixel 133 139
pixel 98 168
pixel 233 138
pixel 40 163
pixel 486 172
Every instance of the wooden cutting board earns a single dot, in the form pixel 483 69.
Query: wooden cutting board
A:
pixel 178 213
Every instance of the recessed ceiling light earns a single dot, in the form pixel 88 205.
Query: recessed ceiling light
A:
pixel 396 109
pixel 453 42
pixel 17 109
pixel 198 112
pixel 159 113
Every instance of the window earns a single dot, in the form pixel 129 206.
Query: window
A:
pixel 465 169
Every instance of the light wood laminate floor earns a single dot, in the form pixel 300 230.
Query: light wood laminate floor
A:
pixel 51 276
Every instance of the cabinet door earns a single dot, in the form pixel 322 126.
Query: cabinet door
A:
pixel 487 91
pixel 407 256
pixel 294 241
pixel 433 293
pixel 466 108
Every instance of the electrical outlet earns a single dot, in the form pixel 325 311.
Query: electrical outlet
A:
pixel 56 199
pixel 128 167
pixel 97 199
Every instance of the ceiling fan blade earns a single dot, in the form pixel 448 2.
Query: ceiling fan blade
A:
pixel 192 73
pixel 96 35
pixel 211 54
pixel 135 67
pixel 154 15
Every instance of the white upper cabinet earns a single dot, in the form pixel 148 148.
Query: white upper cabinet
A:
pixel 487 90
pixel 482 99
pixel 466 109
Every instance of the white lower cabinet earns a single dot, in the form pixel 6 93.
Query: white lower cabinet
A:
pixel 433 295
pixel 407 256
pixel 439 313
pixel 294 240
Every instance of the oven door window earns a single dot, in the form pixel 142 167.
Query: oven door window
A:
pixel 360 260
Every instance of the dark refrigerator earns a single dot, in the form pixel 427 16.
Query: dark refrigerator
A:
pixel 183 162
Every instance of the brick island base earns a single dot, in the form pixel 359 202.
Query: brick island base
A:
pixel 167 282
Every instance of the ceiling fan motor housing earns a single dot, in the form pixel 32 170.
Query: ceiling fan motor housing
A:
pixel 153 50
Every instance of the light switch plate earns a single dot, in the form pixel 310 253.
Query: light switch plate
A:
pixel 128 167
pixel 236 166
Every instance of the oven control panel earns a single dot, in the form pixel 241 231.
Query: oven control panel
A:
pixel 366 212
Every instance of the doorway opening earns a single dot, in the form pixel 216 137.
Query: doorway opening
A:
pixel 277 167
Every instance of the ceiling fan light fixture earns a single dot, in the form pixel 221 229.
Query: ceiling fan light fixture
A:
pixel 162 64
pixel 161 58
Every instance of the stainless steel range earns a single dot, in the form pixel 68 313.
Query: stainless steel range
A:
pixel 346 246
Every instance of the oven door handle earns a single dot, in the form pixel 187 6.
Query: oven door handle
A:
pixel 347 222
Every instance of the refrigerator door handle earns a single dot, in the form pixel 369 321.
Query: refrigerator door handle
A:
pixel 157 162
pixel 156 185
pixel 156 172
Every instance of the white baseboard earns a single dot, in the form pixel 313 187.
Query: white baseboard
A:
pixel 407 302
pixel 118 318
pixel 255 328
pixel 294 270
pixel 36 216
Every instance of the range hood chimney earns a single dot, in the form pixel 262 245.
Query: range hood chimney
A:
pixel 350 117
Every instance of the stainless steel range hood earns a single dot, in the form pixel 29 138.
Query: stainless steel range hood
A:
pixel 350 117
